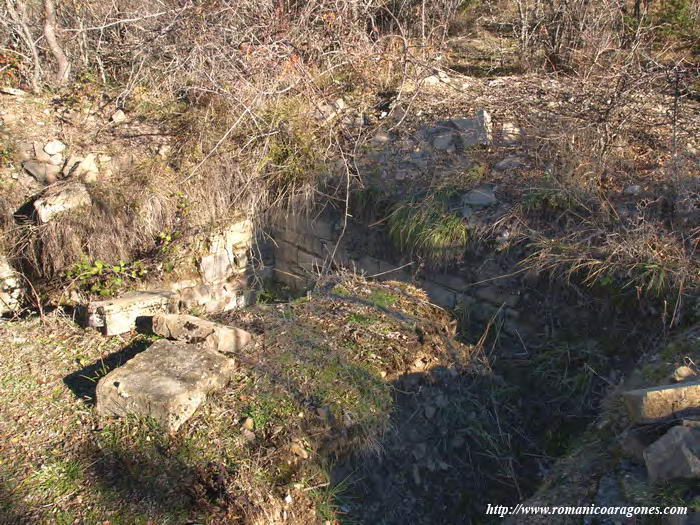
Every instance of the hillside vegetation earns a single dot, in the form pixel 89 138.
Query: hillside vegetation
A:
pixel 576 198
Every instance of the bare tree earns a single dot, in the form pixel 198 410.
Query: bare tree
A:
pixel 19 19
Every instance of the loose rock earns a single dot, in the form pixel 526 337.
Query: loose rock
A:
pixel 53 147
pixel 72 163
pixel 510 133
pixel 12 91
pixel 41 171
pixel 192 329
pixel 118 117
pixel 481 197
pixel 11 288
pixel 475 131
pixel 509 163
pixel 632 190
pixel 87 169
pixel 684 373
pixel 675 455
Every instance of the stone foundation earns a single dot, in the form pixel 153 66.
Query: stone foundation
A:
pixel 484 293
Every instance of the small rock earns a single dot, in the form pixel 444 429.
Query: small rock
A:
pixel 118 315
pixel 53 147
pixel 684 373
pixel 42 172
pixel 382 138
pixel 429 411
pixel 509 163
pixel 481 197
pixel 443 141
pixel 434 80
pixel 118 117
pixel 11 287
pixel 634 441
pixel 298 450
pixel 474 131
pixel 248 435
pixel 632 190
pixel 26 151
pixel 71 164
pixel 87 169
pixel 40 154
pixel 56 159
pixel 90 177
pixel 195 330
pixel 675 455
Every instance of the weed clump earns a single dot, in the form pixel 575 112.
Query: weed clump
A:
pixel 428 229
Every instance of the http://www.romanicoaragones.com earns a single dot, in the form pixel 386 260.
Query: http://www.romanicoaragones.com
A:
pixel 589 510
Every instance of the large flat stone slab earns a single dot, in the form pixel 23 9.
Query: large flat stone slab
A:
pixel 191 329
pixel 649 405
pixel 675 455
pixel 167 382
pixel 118 315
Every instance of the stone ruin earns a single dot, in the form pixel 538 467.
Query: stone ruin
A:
pixel 220 286
pixel 171 379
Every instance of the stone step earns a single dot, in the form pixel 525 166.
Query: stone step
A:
pixel 191 329
pixel 166 382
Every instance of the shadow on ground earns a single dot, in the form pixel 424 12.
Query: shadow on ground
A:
pixel 452 448
pixel 83 382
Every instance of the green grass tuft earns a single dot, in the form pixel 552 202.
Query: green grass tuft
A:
pixel 428 229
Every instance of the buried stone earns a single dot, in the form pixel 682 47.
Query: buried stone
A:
pixel 167 382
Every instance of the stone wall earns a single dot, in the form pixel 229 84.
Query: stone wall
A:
pixel 480 290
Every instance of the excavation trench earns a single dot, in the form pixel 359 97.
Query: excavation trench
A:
pixel 461 439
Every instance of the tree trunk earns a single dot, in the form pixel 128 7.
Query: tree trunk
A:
pixel 50 35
